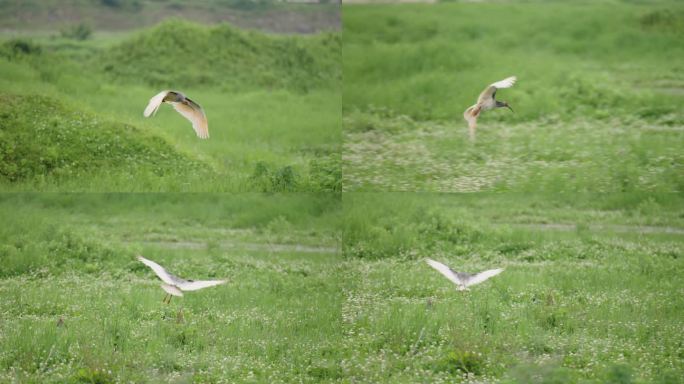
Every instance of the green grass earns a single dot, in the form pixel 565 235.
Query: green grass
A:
pixel 327 291
pixel 597 300
pixel 71 257
pixel 287 127
pixel 597 103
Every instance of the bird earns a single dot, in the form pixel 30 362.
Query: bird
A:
pixel 174 285
pixel 183 105
pixel 487 101
pixel 461 279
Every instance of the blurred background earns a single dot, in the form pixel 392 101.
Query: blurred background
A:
pixel 116 15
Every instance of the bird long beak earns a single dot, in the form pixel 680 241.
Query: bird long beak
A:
pixel 509 107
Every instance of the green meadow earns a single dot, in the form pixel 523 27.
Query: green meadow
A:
pixel 77 307
pixel 323 290
pixel 591 292
pixel 330 175
pixel 597 105
pixel 72 111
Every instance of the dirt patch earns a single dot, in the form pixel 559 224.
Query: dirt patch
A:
pixel 645 229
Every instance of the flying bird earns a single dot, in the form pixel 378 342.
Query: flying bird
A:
pixel 487 101
pixel 183 105
pixel 174 285
pixel 461 279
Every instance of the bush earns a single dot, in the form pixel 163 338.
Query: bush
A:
pixel 283 179
pixel 17 47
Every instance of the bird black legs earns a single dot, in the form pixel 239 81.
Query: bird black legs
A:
pixel 167 298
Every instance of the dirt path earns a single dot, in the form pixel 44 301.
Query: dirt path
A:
pixel 649 229
pixel 272 247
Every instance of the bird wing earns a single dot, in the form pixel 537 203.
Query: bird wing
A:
pixel 160 271
pixel 482 276
pixel 444 270
pixel 193 112
pixel 171 290
pixel 195 285
pixel 154 103
pixel 491 89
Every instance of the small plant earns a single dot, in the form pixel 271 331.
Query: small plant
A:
pixel 93 376
pixel 282 179
pixel 459 362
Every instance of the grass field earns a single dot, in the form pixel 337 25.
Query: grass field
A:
pixel 591 292
pixel 330 175
pixel 597 103
pixel 72 257
pixel 273 105
pixel 326 291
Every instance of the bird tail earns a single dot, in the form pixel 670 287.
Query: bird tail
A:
pixel 470 115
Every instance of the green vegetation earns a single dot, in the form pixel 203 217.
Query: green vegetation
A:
pixel 272 102
pixel 597 104
pixel 591 291
pixel 72 257
pixel 44 140
pixel 226 58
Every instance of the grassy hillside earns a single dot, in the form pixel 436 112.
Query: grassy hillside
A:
pixel 223 57
pixel 43 139
pixel 590 293
pixel 593 95
pixel 72 257
pixel 272 126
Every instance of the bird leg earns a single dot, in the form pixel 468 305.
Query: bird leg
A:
pixel 164 299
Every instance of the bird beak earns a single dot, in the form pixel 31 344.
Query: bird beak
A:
pixel 509 107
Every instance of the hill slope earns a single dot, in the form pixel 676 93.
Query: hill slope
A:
pixel 43 137
pixel 185 54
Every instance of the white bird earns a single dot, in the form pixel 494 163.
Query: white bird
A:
pixel 186 107
pixel 461 279
pixel 173 285
pixel 486 101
